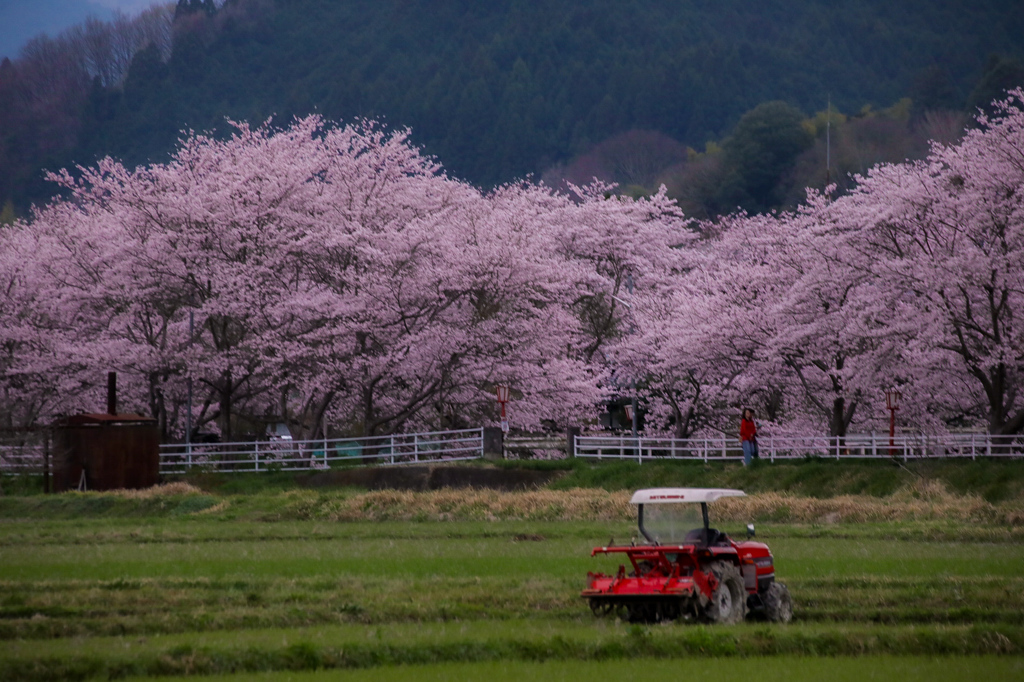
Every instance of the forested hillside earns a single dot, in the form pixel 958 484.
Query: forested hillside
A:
pixel 501 89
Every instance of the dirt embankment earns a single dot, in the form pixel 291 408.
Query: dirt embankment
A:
pixel 421 478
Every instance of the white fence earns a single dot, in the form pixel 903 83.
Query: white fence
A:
pixel 324 453
pixel 857 446
pixel 22 451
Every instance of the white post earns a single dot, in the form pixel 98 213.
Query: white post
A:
pixel 416 447
pixel 392 448
pixel 972 446
pixel 257 453
pixel 705 450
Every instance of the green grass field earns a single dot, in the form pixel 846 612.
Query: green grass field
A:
pixel 104 586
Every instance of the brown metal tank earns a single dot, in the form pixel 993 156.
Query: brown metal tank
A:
pixel 106 452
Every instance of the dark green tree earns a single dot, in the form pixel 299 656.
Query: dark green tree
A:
pixel 933 90
pixel 760 150
pixel 1000 75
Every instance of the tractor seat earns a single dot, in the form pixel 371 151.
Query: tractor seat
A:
pixel 713 537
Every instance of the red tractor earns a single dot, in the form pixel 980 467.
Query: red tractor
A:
pixel 688 569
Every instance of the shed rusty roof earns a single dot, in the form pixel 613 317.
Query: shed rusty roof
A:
pixel 104 418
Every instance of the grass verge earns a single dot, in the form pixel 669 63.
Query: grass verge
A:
pixel 296 650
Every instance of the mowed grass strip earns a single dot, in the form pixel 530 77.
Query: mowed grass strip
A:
pixel 149 607
pixel 337 648
pixel 777 669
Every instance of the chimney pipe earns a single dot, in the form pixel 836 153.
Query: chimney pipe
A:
pixel 111 392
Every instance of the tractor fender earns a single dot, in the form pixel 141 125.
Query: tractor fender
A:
pixel 706 584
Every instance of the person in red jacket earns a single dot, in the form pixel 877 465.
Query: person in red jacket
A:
pixel 748 436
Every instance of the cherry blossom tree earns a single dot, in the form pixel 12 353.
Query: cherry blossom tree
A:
pixel 945 237
pixel 27 386
pixel 809 335
pixel 333 275
pixel 330 273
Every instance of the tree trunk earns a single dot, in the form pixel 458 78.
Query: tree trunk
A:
pixel 225 407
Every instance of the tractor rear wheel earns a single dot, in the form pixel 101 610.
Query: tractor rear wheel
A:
pixel 729 602
pixel 778 605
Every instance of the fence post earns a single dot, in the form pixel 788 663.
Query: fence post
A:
pixel 256 451
pixel 972 446
pixel 705 450
pixel 838 440
pixel 571 434
pixel 874 445
pixel 639 451
pixel 416 448
pixel 493 443
pixel 46 461
pixel 725 445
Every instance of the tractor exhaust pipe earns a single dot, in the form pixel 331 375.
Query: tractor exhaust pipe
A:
pixel 111 393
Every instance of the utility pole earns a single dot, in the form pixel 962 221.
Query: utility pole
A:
pixel 632 383
pixel 828 142
pixel 188 414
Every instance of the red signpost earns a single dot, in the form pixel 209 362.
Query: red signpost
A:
pixel 503 393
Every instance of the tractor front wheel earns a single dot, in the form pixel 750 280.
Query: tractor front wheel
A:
pixel 729 602
pixel 778 605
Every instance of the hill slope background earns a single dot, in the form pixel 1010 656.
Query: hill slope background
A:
pixel 503 89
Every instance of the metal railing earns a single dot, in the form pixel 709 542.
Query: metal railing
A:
pixel 23 451
pixel 771 448
pixel 323 453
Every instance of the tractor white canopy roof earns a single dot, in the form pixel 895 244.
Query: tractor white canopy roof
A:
pixel 676 495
